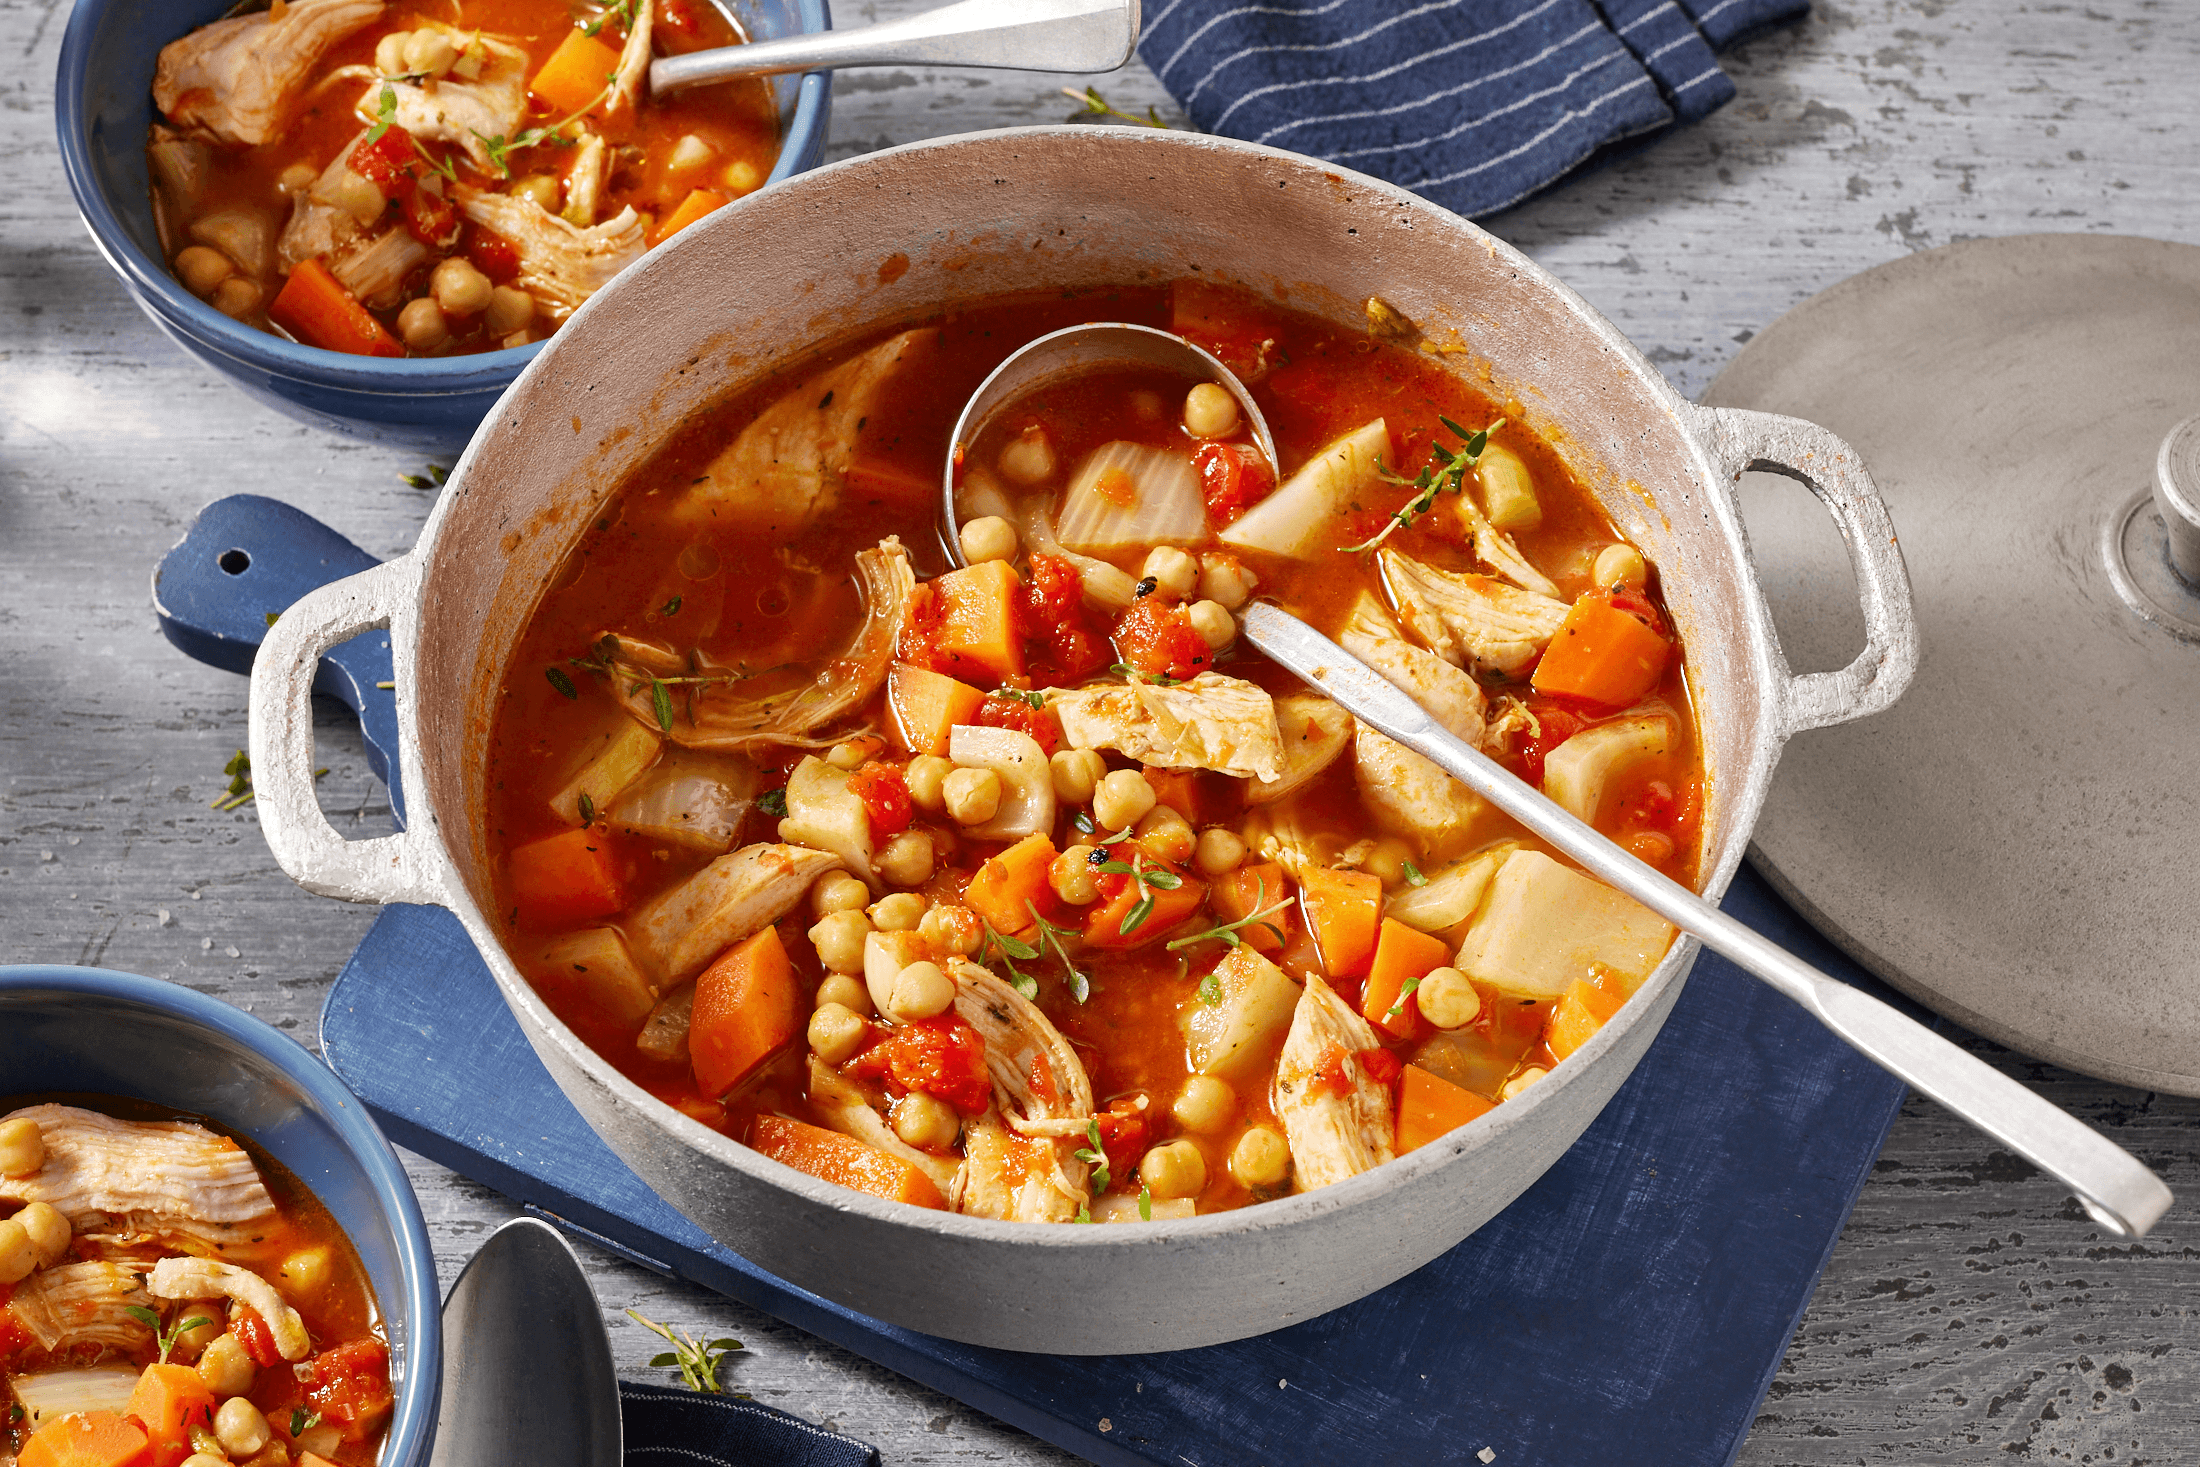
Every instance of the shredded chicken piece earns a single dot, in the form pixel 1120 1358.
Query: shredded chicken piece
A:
pixel 1332 1136
pixel 319 225
pixel 1471 621
pixel 1497 551
pixel 794 461
pixel 559 264
pixel 154 1176
pixel 849 1111
pixel 723 716
pixel 237 80
pixel 735 897
pixel 1212 722
pixel 451 109
pixel 1407 793
pixel 203 1278
pixel 626 80
pixel 81 1304
pixel 373 270
pixel 584 181
pixel 1019 1158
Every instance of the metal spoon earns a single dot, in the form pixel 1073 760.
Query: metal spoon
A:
pixel 1078 351
pixel 1023 35
pixel 527 1373
pixel 2111 1184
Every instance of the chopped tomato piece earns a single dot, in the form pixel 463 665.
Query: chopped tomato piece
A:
pixel 389 162
pixel 1233 477
pixel 253 1333
pixel 431 218
pixel 350 1386
pixel 1056 619
pixel 1160 639
pixel 493 254
pixel 885 796
pixel 1002 710
pixel 1123 1135
pixel 1379 1065
pixel 943 1056
pixel 1554 726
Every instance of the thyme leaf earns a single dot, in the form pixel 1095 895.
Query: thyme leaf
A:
pixel 588 809
pixel 661 701
pixel 302 1421
pixel 1413 875
pixel 1096 105
pixel 385 113
pixel 1405 991
pixel 773 803
pixel 1145 1203
pixel 670 608
pixel 696 1360
pixel 1158 679
pixel 436 475
pixel 561 682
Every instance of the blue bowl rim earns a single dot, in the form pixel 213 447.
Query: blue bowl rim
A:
pixel 149 281
pixel 412 1428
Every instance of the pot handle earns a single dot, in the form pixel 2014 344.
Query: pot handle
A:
pixel 393 868
pixel 1741 441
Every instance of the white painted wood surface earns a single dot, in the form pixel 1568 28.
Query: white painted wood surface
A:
pixel 1969 1314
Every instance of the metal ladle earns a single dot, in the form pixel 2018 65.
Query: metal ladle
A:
pixel 1023 35
pixel 2113 1186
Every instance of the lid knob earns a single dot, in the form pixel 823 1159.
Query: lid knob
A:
pixel 2177 496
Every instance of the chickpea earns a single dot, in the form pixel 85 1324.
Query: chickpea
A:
pixel 988 538
pixel 49 1232
pixel 459 288
pixel 1071 877
pixel 389 53
pixel 1386 860
pixel 689 154
pixel 1620 565
pixel 1075 773
pixel 1212 620
pixel 1518 1085
pixel 1225 580
pixel 358 197
pixel 1030 459
pixel 22 1148
pixel 907 859
pixel 18 1254
pixel 1261 1158
pixel 190 1344
pixel 1173 1169
pixel 1121 799
pixel 297 178
pixel 305 1272
pixel 836 1032
pixel 838 938
pixel 1218 853
pixel 837 891
pixel 850 754
pixel 950 929
pixel 1205 1105
pixel 422 325
pixel 972 796
pixel 921 991
pixel 1174 573
pixel 926 777
pixel 741 177
pixel 225 1368
pixel 202 1459
pixel 236 297
pixel 427 53
pixel 1210 411
pixel 926 1120
pixel 900 912
pixel 509 310
pixel 1447 999
pixel 847 990
pixel 1166 834
pixel 201 268
pixel 240 1428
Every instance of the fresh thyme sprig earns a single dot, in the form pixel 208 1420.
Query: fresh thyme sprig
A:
pixel 696 1360
pixel 1227 932
pixel 1080 981
pixel 165 1338
pixel 1149 879
pixel 1134 674
pixel 1095 1156
pixel 436 475
pixel 1445 473
pixel 999 945
pixel 240 792
pixel 1413 874
pixel 302 1421
pixel 1096 105
pixel 385 115
pixel 1405 991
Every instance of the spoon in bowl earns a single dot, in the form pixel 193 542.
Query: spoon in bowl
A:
pixel 1024 35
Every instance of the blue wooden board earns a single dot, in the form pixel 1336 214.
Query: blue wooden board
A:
pixel 1630 1308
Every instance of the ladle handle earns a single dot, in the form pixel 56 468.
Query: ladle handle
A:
pixel 1025 35
pixel 2111 1183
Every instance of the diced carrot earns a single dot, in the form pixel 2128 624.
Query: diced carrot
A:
pixel 926 706
pixel 1249 889
pixel 314 307
pixel 1587 1006
pixel 975 624
pixel 88 1439
pixel 1602 655
pixel 745 1012
pixel 169 1401
pixel 1342 909
pixel 577 73
pixel 1002 886
pixel 1179 790
pixel 699 202
pixel 842 1159
pixel 1104 924
pixel 1430 1106
pixel 571 876
pixel 1401 953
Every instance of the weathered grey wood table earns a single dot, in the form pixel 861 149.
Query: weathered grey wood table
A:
pixel 1969 1312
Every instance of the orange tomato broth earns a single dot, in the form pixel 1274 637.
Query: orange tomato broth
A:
pixel 343 1312
pixel 739 119
pixel 763 607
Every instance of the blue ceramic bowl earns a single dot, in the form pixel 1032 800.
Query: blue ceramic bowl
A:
pixel 93 1031
pixel 103 106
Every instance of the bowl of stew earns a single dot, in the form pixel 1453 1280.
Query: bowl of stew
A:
pixel 990 941
pixel 205 1243
pixel 371 215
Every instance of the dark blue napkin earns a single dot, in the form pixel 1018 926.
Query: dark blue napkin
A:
pixel 1473 104
pixel 678 1428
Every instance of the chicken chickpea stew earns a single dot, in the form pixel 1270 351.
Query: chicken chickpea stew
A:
pixel 168 1296
pixel 390 180
pixel 1025 889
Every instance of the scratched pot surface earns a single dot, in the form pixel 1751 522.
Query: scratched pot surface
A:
pixel 2017 843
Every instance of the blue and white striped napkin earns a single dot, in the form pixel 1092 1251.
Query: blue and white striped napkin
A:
pixel 1473 104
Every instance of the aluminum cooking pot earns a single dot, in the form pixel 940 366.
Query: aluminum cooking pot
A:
pixel 902 233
